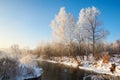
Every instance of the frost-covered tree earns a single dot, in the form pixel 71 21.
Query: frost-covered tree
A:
pixel 80 25
pixel 80 32
pixel 91 25
pixel 63 26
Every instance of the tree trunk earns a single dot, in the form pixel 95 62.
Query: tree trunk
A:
pixel 93 43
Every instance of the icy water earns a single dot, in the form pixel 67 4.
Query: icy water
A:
pixel 54 71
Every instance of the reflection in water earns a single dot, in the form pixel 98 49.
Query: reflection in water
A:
pixel 53 71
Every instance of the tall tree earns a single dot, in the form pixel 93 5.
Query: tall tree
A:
pixel 63 26
pixel 92 26
pixel 80 32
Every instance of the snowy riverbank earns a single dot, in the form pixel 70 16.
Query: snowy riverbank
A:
pixel 99 67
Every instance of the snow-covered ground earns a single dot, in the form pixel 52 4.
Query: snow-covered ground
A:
pixel 98 67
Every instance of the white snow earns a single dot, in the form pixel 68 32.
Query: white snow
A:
pixel 27 71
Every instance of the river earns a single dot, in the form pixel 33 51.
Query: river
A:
pixel 55 71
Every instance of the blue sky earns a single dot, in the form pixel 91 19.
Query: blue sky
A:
pixel 27 22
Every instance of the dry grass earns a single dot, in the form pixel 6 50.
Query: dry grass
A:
pixel 106 58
